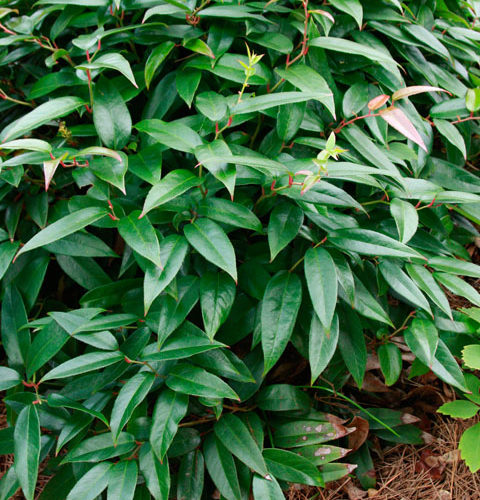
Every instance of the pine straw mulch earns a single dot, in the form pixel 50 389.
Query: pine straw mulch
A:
pixel 405 472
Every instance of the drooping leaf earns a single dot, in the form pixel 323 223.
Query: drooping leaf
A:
pixel 322 345
pixel 235 436
pixel 284 224
pixel 129 397
pixel 280 306
pixel 140 235
pixel 155 59
pixel 321 276
pixel 406 219
pixel 169 409
pixel 110 115
pixel 210 241
pixel 114 61
pixel 27 449
pixel 217 293
pixel 91 484
pixel 122 480
pixel 400 121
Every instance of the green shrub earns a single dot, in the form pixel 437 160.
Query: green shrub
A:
pixel 199 197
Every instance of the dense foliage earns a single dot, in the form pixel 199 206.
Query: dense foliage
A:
pixel 208 206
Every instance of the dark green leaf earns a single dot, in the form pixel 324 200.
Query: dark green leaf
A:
pixel 27 449
pixel 235 436
pixel 210 241
pixel 280 306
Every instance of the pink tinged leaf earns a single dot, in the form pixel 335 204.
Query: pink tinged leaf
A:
pixel 304 172
pixel 49 168
pixel 378 102
pixel 323 13
pixel 415 89
pixel 399 121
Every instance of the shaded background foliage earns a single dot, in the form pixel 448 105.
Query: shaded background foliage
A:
pixel 199 197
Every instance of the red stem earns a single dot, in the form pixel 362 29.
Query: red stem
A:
pixel 353 120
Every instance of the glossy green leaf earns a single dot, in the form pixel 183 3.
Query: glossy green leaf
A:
pixel 454 266
pixel 289 466
pixel 422 339
pixel 188 340
pixel 129 397
pixel 172 185
pixel 59 401
pixel 264 102
pixel 322 345
pixel 390 359
pixel 351 343
pixel 100 447
pixel 169 409
pixel 351 7
pixel 173 135
pixel 211 105
pixel 321 276
pixel 402 285
pixel 191 476
pixel 217 293
pixel 140 235
pixel 155 59
pixel 425 281
pixel 112 61
pixel 221 467
pixel 173 250
pixel 228 212
pixel 366 242
pixel 155 472
pixel 210 241
pixel 64 227
pixel 83 364
pixel 406 219
pixel 235 436
pixel 91 484
pixel 284 223
pixel 451 134
pixel 122 480
pixel 8 378
pixel 349 47
pixel 27 449
pixel 51 110
pixel 299 433
pixel 189 379
pixel 110 115
pixel 282 397
pixel 28 144
pixel 458 287
pixel 266 488
pixel 280 306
